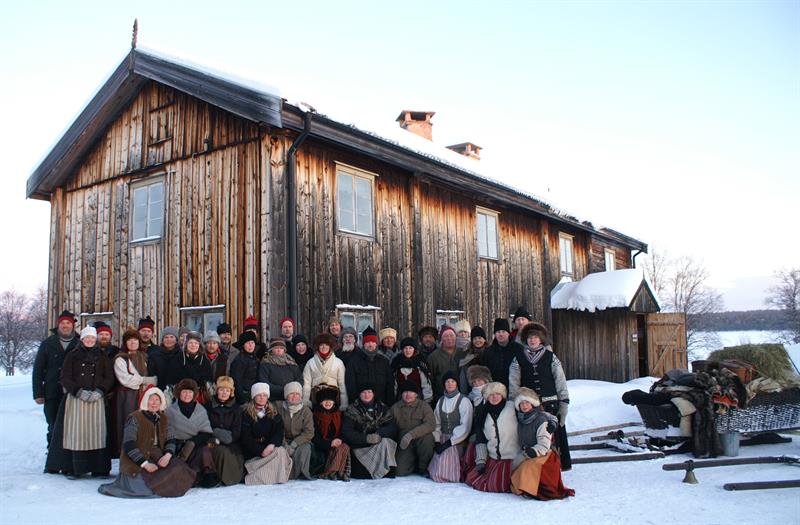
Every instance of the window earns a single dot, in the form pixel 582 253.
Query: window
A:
pixel 202 318
pixel 448 317
pixel 354 200
pixel 147 210
pixel 487 233
pixel 358 317
pixel 565 253
pixel 90 319
pixel 611 261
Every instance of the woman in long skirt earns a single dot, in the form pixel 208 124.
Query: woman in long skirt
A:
pixel 453 414
pixel 266 460
pixel 328 433
pixel 225 416
pixel 368 426
pixel 192 429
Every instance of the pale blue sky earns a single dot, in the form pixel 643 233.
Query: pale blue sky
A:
pixel 675 122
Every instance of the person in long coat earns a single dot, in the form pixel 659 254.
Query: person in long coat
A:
pixel 266 460
pixel 499 355
pixel 415 425
pixel 161 360
pixel 278 369
pixel 225 416
pixel 244 369
pixel 369 367
pixel 80 435
pixel 453 416
pixel 369 428
pixel 132 378
pixel 409 365
pixel 535 366
pixel 298 430
pixel 147 447
pixel 324 367
pixel 192 429
pixel 328 439
pixel 537 469
pixel 497 442
pixel 193 364
pixel 47 390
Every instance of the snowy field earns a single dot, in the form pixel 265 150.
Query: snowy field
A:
pixel 629 493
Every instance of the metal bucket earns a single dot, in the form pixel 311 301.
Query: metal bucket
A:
pixel 730 443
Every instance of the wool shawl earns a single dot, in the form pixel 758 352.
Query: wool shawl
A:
pixel 186 428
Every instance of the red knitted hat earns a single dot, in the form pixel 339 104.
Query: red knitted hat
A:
pixel 251 322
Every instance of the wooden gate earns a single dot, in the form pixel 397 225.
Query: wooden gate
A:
pixel 666 342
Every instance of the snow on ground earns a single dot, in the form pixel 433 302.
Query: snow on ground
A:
pixel 630 493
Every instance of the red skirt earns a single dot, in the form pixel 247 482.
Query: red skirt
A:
pixel 496 477
pixel 540 478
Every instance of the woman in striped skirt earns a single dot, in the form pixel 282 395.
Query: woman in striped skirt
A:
pixel 80 436
pixel 453 414
pixel 266 460
pixel 328 433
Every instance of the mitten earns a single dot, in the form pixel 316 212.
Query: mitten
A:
pixel 405 441
pixel 373 438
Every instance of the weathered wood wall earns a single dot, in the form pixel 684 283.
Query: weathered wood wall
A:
pixel 597 262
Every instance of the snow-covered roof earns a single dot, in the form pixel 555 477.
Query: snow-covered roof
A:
pixel 598 291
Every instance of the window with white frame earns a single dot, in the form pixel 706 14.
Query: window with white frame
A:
pixel 354 205
pixel 487 233
pixel 358 317
pixel 202 318
pixel 565 253
pixel 89 319
pixel 611 260
pixel 147 210
pixel 448 317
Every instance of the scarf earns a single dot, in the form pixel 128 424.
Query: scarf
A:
pixel 327 421
pixel 324 357
pixel 187 409
pixel 451 395
pixel 370 355
pixel 279 360
pixel 534 354
pixel 369 417
pixel 294 408
pixel 537 416
pixel 213 356
pixel 494 410
pixel 415 361
pixel 476 395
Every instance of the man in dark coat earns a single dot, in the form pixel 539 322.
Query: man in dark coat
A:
pixel 47 389
pixel 521 318
pixel 501 353
pixel 146 330
pixel 162 361
pixel 367 366
pixel 251 325
pixel 104 340
pixel 427 339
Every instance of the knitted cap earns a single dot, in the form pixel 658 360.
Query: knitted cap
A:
pixel 88 331
pixel 292 388
pixel 501 323
pixel 387 332
pixel 211 335
pixel 259 388
pixel 477 331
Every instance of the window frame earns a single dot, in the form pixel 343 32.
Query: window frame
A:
pixel 87 319
pixel 147 182
pixel 449 317
pixel 358 311
pixel 566 265
pixel 356 173
pixel 479 210
pixel 185 311
pixel 613 258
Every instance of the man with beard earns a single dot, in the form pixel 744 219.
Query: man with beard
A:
pixel 104 340
pixel 146 327
pixel 348 347
pixel 427 340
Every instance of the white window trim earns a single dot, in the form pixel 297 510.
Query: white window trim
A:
pixel 357 309
pixel 613 254
pixel 449 316
pixel 85 318
pixel 571 270
pixel 201 310
pixel 363 174
pixel 133 186
pixel 496 215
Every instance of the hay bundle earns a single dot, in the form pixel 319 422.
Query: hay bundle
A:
pixel 769 359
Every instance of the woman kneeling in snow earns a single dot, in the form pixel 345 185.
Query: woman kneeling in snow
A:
pixel 189 422
pixel 328 433
pixel 453 414
pixel 539 472
pixel 368 427
pixel 262 436
pixel 147 448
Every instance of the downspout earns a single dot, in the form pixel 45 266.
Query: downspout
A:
pixel 633 257
pixel 291 218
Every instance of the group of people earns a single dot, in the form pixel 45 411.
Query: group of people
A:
pixel 203 410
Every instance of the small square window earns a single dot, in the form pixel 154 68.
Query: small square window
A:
pixel 611 260
pixel 202 318
pixel 486 226
pixel 147 210
pixel 90 319
pixel 358 317
pixel 448 317
pixel 565 253
pixel 354 203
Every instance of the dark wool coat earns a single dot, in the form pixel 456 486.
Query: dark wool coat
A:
pixel 244 371
pixel 162 363
pixel 197 367
pixel 219 366
pixel 374 370
pixel 345 356
pixel 278 376
pixel 227 417
pixel 257 434
pixel 498 359
pixel 361 419
pixel 47 367
pixel 87 368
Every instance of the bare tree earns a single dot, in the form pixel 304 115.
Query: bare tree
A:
pixel 17 344
pixel 786 296
pixel 656 266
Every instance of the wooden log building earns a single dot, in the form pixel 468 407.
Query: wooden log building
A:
pixel 195 198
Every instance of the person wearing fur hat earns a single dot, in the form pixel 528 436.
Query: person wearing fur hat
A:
pixel 148 446
pixel 161 360
pixel 444 360
pixel 537 368
pixel 349 344
pixel 298 429
pixel 472 356
pixel 478 376
pixel 189 422
pixel 409 365
pixel 225 416
pixel 278 369
pixel 328 440
pixel 453 417
pixel 463 329
pixel 537 469
pixel 46 375
pixel 387 343
pixel 132 378
pixel 299 349
pixel 252 326
pixel 415 425
pixel 266 460
pixel 324 367
pixel 192 363
pixel 218 360
pixel 104 334
pixel 80 433
pixel 244 369
pixel 501 352
pixel 497 441
pixel 368 366
pixel 369 428
pixel 428 335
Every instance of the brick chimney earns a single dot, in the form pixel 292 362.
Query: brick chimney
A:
pixel 417 122
pixel 468 149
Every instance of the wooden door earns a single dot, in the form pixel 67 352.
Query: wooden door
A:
pixel 666 342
